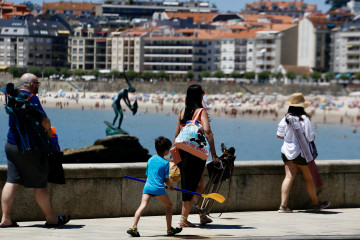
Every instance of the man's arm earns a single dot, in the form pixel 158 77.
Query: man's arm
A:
pixel 47 125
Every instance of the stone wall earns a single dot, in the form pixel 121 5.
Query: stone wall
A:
pixel 100 190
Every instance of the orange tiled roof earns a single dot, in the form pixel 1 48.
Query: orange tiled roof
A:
pixel 320 20
pixel 198 17
pixel 77 7
pixel 277 27
pixel 255 17
pixel 11 9
pixel 281 5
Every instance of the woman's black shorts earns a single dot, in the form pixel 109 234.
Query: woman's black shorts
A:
pixel 299 160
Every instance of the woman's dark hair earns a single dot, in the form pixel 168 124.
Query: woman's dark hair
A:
pixel 193 101
pixel 162 144
pixel 297 111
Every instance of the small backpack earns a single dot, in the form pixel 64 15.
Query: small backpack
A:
pixel 192 138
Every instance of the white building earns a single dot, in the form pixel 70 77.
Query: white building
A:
pixel 346 48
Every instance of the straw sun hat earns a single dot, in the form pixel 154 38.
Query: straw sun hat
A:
pixel 297 100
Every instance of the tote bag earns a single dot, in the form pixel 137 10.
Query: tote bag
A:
pixel 192 138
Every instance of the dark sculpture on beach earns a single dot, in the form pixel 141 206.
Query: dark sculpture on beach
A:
pixel 123 94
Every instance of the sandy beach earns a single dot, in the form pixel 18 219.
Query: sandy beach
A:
pixel 324 109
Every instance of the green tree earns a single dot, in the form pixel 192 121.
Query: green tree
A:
pixel 48 71
pixel 316 76
pixel 304 76
pixel 176 76
pixel 357 76
pixel 291 75
pixel 249 75
pixel 344 76
pixel 329 76
pixel 278 75
pixel 115 74
pixel 219 74
pixel 15 72
pixel 79 72
pixel 264 76
pixel 131 74
pixel 335 4
pixel 163 75
pixel 190 74
pixel 95 73
pixel 205 74
pixel 235 75
pixel 147 75
pixel 35 70
pixel 65 71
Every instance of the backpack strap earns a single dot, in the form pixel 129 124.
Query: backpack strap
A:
pixel 198 115
pixel 29 97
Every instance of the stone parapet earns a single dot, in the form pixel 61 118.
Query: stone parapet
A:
pixel 100 190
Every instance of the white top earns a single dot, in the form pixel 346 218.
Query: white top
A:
pixel 291 147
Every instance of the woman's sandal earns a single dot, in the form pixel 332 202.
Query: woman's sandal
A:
pixel 284 209
pixel 13 224
pixel 185 223
pixel 204 219
pixel 62 220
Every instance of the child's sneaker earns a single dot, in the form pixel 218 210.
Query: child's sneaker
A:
pixel 173 231
pixel 133 232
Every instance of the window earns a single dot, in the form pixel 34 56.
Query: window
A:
pixel 74 42
pixel 81 50
pixel 74 66
pixel 81 59
pixel 74 50
pixel 74 58
pixel 81 42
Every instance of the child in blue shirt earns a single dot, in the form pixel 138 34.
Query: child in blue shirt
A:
pixel 157 172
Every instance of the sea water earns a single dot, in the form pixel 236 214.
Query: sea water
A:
pixel 253 139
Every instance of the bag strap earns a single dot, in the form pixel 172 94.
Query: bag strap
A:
pixel 198 115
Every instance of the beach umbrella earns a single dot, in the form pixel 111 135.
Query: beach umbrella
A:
pixel 164 92
pixel 173 93
pixel 355 94
pixel 43 91
pixel 158 92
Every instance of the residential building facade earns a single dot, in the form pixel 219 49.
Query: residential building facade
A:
pixel 295 9
pixel 30 41
pixel 127 51
pixel 69 8
pixel 314 42
pixel 274 47
pixel 145 9
pixel 9 9
pixel 346 48
pixel 88 49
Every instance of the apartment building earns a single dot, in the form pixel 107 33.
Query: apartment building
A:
pixel 127 50
pixel 88 49
pixel 178 51
pixel 9 9
pixel 145 9
pixel 295 9
pixel 235 51
pixel 29 41
pixel 314 42
pixel 69 8
pixel 275 45
pixel 346 48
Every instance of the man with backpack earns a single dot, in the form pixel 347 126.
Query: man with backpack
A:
pixel 27 164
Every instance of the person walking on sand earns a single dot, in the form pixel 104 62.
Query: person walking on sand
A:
pixel 157 172
pixel 30 167
pixel 192 167
pixel 292 155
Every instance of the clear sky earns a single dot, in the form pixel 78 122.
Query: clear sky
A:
pixel 223 5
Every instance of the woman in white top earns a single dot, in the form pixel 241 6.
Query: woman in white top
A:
pixel 292 155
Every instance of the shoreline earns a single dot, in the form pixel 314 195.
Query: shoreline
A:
pixel 325 110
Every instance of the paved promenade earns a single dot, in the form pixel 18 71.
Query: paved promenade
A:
pixel 329 224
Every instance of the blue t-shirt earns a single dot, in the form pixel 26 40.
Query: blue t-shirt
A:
pixel 12 136
pixel 157 170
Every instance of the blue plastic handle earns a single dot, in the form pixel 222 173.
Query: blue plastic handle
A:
pixel 177 189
